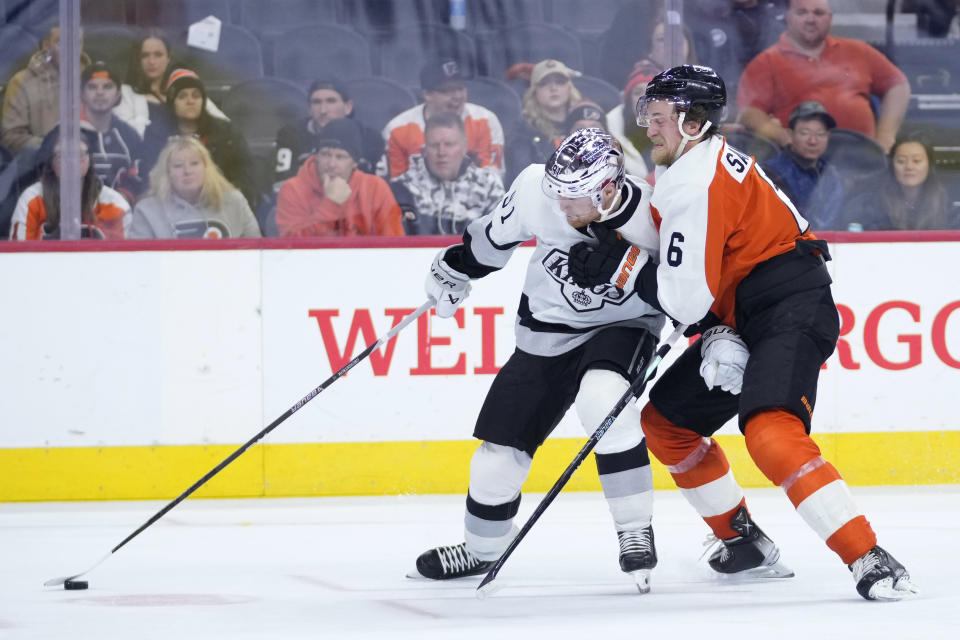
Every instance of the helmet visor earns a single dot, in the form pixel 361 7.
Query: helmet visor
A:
pixel 659 110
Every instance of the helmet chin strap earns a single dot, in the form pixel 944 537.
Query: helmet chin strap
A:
pixel 688 138
pixel 605 212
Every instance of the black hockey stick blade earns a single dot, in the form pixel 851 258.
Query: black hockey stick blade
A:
pixel 53 582
pixel 486 586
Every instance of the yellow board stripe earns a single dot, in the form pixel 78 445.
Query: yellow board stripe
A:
pixel 395 468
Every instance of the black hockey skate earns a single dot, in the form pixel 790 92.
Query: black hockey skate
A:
pixel 638 555
pixel 445 563
pixel 880 577
pixel 751 553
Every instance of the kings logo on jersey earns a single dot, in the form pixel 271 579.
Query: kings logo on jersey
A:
pixel 580 299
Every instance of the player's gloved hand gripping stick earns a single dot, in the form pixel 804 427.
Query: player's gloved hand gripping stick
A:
pixel 68 580
pixel 636 388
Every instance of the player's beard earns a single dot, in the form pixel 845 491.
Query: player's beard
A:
pixel 662 156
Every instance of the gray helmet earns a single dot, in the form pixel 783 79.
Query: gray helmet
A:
pixel 585 162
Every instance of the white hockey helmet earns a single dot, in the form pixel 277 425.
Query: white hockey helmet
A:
pixel 585 162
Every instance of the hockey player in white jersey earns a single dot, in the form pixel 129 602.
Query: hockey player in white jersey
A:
pixel 575 346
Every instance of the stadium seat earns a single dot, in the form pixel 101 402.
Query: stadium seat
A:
pixel 17 45
pixel 595 16
pixel 404 51
pixel 177 14
pixel 111 43
pixel 275 16
pixel 303 54
pixel 103 11
pixel 528 42
pixel 854 154
pixel 932 65
pixel 239 58
pixel 497 96
pixel 369 16
pixel 750 143
pixel 261 107
pixel 496 15
pixel 600 91
pixel 377 100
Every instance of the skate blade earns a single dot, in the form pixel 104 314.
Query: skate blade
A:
pixel 763 572
pixel 642 579
pixel 887 590
pixel 413 574
pixel 487 590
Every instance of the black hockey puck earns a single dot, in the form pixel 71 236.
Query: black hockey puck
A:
pixel 75 585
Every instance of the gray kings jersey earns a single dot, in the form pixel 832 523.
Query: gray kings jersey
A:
pixel 554 314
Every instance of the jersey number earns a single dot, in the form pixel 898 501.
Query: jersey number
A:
pixel 284 158
pixel 674 252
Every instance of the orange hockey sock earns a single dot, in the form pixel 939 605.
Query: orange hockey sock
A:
pixel 779 445
pixel 698 466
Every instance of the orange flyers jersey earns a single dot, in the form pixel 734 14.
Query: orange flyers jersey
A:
pixel 719 216
pixel 111 211
pixel 404 137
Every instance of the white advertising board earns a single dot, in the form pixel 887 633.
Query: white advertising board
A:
pixel 196 347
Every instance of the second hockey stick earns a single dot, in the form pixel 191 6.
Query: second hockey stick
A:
pixel 54 582
pixel 486 586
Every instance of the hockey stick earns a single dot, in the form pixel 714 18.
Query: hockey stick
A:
pixel 486 586
pixel 54 582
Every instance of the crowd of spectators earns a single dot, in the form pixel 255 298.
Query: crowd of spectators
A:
pixel 162 160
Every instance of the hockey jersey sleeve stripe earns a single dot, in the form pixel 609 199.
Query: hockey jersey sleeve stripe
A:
pixel 509 246
pixel 461 258
pixel 527 320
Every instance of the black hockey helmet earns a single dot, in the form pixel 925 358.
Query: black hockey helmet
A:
pixel 685 86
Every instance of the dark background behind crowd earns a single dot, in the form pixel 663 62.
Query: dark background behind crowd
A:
pixel 378 117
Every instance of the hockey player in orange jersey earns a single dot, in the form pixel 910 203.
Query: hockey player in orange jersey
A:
pixel 739 264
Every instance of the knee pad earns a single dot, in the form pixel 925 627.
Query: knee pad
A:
pixel 599 391
pixel 497 472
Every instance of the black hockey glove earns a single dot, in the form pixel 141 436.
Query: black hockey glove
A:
pixel 614 261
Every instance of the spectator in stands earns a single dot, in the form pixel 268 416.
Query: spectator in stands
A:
pixel 444 89
pixel 661 57
pixel 807 63
pixel 104 213
pixel 31 104
pixel 115 148
pixel 583 115
pixel 186 114
pixel 328 100
pixel 934 17
pixel 546 104
pixel 330 196
pixel 800 171
pixel 908 196
pixel 627 40
pixel 622 122
pixel 144 95
pixel 190 198
pixel 730 33
pixel 443 190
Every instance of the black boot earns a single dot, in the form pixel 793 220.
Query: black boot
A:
pixel 444 563
pixel 638 555
pixel 750 552
pixel 880 577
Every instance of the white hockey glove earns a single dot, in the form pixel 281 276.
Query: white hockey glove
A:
pixel 724 359
pixel 446 286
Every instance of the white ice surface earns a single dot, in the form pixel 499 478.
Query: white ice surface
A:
pixel 334 568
